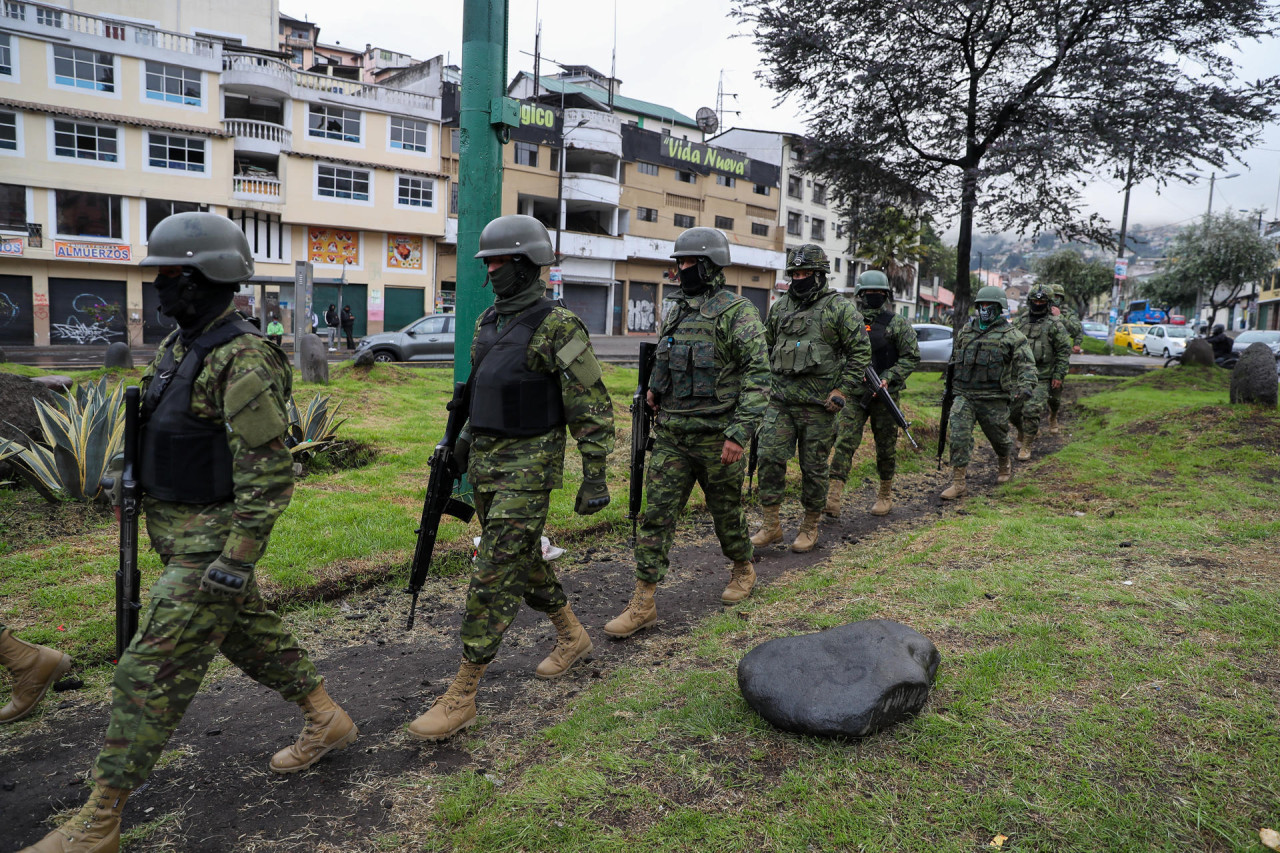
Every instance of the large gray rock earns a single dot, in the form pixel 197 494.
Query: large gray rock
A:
pixel 364 359
pixel 119 355
pixel 1254 378
pixel 18 418
pixel 849 681
pixel 55 381
pixel 315 361
pixel 1199 352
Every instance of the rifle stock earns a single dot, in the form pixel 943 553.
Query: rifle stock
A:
pixel 948 398
pixel 641 427
pixel 873 383
pixel 439 500
pixel 128 578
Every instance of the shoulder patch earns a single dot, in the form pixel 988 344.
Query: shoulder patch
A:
pixel 578 359
pixel 251 410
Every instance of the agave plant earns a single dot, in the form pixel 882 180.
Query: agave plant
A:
pixel 315 428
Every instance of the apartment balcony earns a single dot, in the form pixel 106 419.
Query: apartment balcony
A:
pixel 253 188
pixel 600 246
pixel 130 37
pixel 599 131
pixel 263 75
pixel 583 186
pixel 259 137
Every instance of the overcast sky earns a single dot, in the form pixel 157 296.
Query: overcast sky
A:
pixel 674 51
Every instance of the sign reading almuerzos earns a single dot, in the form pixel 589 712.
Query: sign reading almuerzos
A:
pixel 91 251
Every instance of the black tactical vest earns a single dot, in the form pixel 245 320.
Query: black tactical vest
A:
pixel 183 458
pixel 884 349
pixel 507 398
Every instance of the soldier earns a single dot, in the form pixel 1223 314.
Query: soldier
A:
pixel 533 373
pixel 1075 330
pixel 708 388
pixel 991 362
pixel 817 352
pixel 1052 351
pixel 895 353
pixel 216 475
pixel 34 670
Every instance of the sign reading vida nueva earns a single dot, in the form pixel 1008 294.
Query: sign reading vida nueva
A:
pixel 696 154
pixel 92 251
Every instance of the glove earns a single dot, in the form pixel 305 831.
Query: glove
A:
pixel 593 494
pixel 461 454
pixel 835 401
pixel 226 578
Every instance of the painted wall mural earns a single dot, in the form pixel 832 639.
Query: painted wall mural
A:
pixel 86 311
pixel 404 252
pixel 333 246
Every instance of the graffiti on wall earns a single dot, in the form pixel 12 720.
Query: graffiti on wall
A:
pixel 642 308
pixel 85 311
pixel 16 310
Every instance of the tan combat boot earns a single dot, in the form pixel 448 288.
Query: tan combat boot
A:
pixel 1053 423
pixel 741 584
pixel 327 728
pixel 957 489
pixel 835 494
pixel 94 829
pixel 572 644
pixel 35 669
pixel 771 530
pixel 807 535
pixel 453 711
pixel 1006 469
pixel 884 500
pixel 641 612
pixel 1024 450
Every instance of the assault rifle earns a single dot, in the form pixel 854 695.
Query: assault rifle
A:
pixel 948 398
pixel 641 426
pixel 753 457
pixel 873 383
pixel 128 578
pixel 439 500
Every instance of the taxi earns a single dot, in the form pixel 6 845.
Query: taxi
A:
pixel 1131 335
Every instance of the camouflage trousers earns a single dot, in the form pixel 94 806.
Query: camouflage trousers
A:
pixel 992 414
pixel 509 567
pixel 1026 414
pixel 677 462
pixel 804 431
pixel 180 630
pixel 849 425
pixel 1055 397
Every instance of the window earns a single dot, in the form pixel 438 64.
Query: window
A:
pixel 526 154
pixel 158 209
pixel 684 221
pixel 268 237
pixel 686 177
pixel 408 134
pixel 84 141
pixel 794 225
pixel 430 326
pixel 647 214
pixel 818 229
pixel 341 182
pixel 795 187
pixel 726 180
pixel 6 56
pixel 88 214
pixel 759 229
pixel 15 10
pixel 8 131
pixel 173 84
pixel 13 207
pixel 48 17
pixel 760 189
pixel 819 193
pixel 647 169
pixel 334 123
pixel 724 223
pixel 184 153
pixel 837 265
pixel 83 69
pixel 415 192
pixel 455 140
pixel 453 198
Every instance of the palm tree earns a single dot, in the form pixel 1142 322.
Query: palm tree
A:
pixel 891 241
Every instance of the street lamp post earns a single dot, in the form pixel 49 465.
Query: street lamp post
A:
pixel 560 185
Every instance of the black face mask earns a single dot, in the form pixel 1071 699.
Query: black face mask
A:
pixel 1038 309
pixel 988 313
pixel 874 299
pixel 806 287
pixel 512 277
pixel 175 293
pixel 692 281
pixel 191 300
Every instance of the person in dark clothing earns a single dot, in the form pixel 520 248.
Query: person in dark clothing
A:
pixel 334 322
pixel 348 325
pixel 1221 342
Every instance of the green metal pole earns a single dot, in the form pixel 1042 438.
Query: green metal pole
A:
pixel 484 78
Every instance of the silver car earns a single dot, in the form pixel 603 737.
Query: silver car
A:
pixel 935 341
pixel 1245 339
pixel 1166 340
pixel 429 338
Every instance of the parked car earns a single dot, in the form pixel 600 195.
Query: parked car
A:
pixel 1095 330
pixel 1177 320
pixel 1130 335
pixel 935 341
pixel 1245 339
pixel 428 338
pixel 1165 340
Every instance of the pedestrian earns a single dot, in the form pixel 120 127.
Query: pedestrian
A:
pixel 34 670
pixel 709 384
pixel 348 325
pixel 215 475
pixel 1051 348
pixel 534 373
pixel 895 353
pixel 275 331
pixel 818 350
pixel 332 323
pixel 991 363
pixel 1075 330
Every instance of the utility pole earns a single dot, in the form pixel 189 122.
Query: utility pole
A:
pixel 1117 295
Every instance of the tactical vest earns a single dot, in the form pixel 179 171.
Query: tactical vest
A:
pixel 689 373
pixel 884 349
pixel 1037 333
pixel 800 349
pixel 183 458
pixel 980 363
pixel 507 398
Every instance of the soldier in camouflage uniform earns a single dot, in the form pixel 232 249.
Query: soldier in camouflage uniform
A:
pixel 708 387
pixel 216 475
pixel 818 349
pixel 34 670
pixel 534 373
pixel 895 352
pixel 1075 330
pixel 991 363
pixel 1052 350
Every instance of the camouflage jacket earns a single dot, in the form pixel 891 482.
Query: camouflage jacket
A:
pixel 1075 329
pixel 992 364
pixel 908 345
pixel 1050 345
pixel 739 346
pixel 839 339
pixel 262 475
pixel 536 463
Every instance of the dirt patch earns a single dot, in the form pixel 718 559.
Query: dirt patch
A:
pixel 28 520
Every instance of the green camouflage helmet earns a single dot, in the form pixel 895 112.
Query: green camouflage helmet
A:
pixel 807 257
pixel 1040 294
pixel 991 293
pixel 872 280
pixel 709 243
pixel 1058 293
pixel 517 234
pixel 207 242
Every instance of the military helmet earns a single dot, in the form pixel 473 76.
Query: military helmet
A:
pixel 807 257
pixel 1058 292
pixel 517 234
pixel 991 293
pixel 207 242
pixel 702 242
pixel 1040 295
pixel 872 280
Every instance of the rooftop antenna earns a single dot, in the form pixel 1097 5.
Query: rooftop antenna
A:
pixel 721 94
pixel 613 72
pixel 537 57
